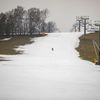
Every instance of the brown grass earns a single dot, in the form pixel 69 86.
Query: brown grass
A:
pixel 86 49
pixel 8 47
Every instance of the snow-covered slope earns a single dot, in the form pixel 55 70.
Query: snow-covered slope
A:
pixel 43 74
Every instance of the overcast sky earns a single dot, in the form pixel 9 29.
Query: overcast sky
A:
pixel 63 12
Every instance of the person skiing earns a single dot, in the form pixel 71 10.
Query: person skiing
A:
pixel 52 49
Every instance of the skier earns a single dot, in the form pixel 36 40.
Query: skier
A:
pixel 52 49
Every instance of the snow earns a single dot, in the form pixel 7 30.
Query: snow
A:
pixel 43 74
pixel 6 39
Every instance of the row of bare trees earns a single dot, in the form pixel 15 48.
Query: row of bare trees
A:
pixel 19 21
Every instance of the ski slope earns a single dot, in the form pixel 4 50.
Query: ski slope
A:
pixel 43 74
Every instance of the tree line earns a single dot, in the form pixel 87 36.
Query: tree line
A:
pixel 19 21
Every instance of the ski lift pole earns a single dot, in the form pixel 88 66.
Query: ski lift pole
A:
pixel 79 26
pixel 85 18
pixel 79 22
pixel 84 27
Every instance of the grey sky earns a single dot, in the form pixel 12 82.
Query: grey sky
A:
pixel 63 12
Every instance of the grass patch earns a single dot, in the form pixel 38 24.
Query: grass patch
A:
pixel 86 48
pixel 8 47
